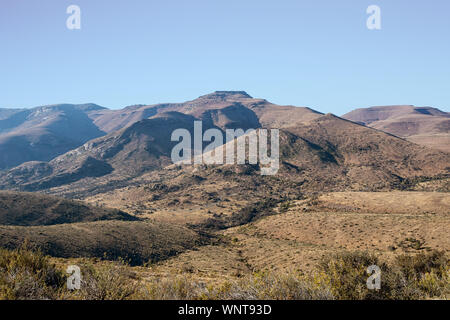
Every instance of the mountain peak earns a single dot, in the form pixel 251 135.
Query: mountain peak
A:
pixel 227 95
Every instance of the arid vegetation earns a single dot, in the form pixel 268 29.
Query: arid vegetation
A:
pixel 26 274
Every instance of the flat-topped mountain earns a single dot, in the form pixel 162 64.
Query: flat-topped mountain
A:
pixel 375 114
pixel 423 125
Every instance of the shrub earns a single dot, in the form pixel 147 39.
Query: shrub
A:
pixel 110 281
pixel 28 275
pixel 428 273
pixel 418 276
pixel 415 266
pixel 267 286
pixel 347 274
pixel 176 288
pixel 272 286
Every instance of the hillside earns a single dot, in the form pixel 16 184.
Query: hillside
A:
pixel 300 234
pixel 70 229
pixel 423 125
pixel 136 242
pixel 32 209
pixel 328 154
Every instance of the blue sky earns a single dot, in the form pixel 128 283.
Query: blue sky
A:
pixel 307 53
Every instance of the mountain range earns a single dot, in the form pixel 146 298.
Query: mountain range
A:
pixel 88 146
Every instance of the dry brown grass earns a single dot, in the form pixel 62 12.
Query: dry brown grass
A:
pixel 386 223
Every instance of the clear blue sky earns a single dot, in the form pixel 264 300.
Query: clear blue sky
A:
pixel 313 53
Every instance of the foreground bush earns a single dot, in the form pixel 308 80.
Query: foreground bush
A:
pixel 111 281
pixel 27 274
pixel 261 286
pixel 274 286
pixel 421 276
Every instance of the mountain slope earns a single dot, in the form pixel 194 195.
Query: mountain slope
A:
pixel 327 154
pixel 143 146
pixel 42 133
pixel 323 155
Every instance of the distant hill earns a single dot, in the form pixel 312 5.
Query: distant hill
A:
pixel 423 125
pixel 42 133
pixel 136 242
pixel 31 209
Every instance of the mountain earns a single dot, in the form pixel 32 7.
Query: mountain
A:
pixel 368 156
pixel 326 154
pixel 323 155
pixel 320 151
pixel 42 133
pixel 423 125
pixel 145 145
